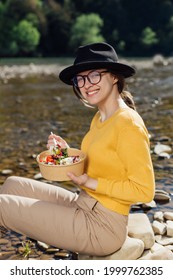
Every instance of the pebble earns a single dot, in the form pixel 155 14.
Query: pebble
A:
pixel 159 216
pixel 161 148
pixel 42 245
pixel 13 248
pixel 164 155
pixel 161 195
pixel 164 240
pixel 38 176
pixel 159 228
pixel 6 172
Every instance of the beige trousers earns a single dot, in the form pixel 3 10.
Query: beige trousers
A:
pixel 58 217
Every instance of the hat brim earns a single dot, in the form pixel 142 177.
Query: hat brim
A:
pixel 68 73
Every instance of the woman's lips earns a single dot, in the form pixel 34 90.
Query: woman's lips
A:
pixel 93 92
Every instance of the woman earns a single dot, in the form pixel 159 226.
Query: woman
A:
pixel 118 170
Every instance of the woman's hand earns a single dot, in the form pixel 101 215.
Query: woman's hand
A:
pixel 60 141
pixel 84 180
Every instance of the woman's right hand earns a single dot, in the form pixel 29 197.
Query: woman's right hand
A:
pixel 60 141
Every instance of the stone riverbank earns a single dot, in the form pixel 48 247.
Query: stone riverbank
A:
pixel 22 71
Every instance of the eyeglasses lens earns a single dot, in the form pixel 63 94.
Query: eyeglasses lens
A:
pixel 93 77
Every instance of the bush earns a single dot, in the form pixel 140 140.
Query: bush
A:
pixel 86 29
pixel 26 36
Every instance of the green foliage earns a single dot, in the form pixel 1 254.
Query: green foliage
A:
pixel 149 37
pixel 86 29
pixel 26 36
pixel 57 27
pixel 27 249
pixel 33 19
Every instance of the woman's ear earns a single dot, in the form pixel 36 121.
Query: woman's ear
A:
pixel 115 79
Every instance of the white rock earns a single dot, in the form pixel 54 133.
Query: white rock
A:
pixel 132 249
pixel 156 247
pixel 38 176
pixel 164 155
pixel 161 148
pixel 158 227
pixel 161 254
pixel 146 255
pixel 159 60
pixel 169 228
pixel 164 240
pixel 158 237
pixel 139 227
pixel 43 245
pixel 158 215
pixel 170 247
pixel 6 171
pixel 168 215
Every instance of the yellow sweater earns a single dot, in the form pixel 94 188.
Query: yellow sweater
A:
pixel 118 156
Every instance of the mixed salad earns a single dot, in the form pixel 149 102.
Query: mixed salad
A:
pixel 59 156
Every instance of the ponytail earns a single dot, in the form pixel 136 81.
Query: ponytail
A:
pixel 128 99
pixel 126 95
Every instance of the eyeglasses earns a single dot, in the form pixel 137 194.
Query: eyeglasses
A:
pixel 94 77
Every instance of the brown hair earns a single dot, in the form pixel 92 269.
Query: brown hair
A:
pixel 126 95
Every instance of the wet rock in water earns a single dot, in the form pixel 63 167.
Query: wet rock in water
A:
pixel 162 198
pixel 52 250
pixel 6 172
pixel 164 155
pixel 149 205
pixel 136 207
pixel 62 254
pixel 4 241
pixel 163 139
pixel 42 245
pixel 46 257
pixel 161 148
pixel 144 206
pixel 5 255
pixel 38 176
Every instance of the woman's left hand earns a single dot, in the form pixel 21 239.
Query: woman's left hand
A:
pixel 83 180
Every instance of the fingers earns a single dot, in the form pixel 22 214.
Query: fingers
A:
pixel 79 180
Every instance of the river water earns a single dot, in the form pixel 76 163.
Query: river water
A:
pixel 32 107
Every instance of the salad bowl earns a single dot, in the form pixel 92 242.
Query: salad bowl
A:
pixel 59 172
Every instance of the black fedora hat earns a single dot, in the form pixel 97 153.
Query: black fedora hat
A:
pixel 95 56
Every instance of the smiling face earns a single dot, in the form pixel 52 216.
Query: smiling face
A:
pixel 100 93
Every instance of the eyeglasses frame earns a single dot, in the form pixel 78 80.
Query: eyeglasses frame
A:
pixel 86 76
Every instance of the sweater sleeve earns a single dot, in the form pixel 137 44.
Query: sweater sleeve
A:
pixel 138 183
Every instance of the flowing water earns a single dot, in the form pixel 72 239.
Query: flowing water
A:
pixel 31 108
